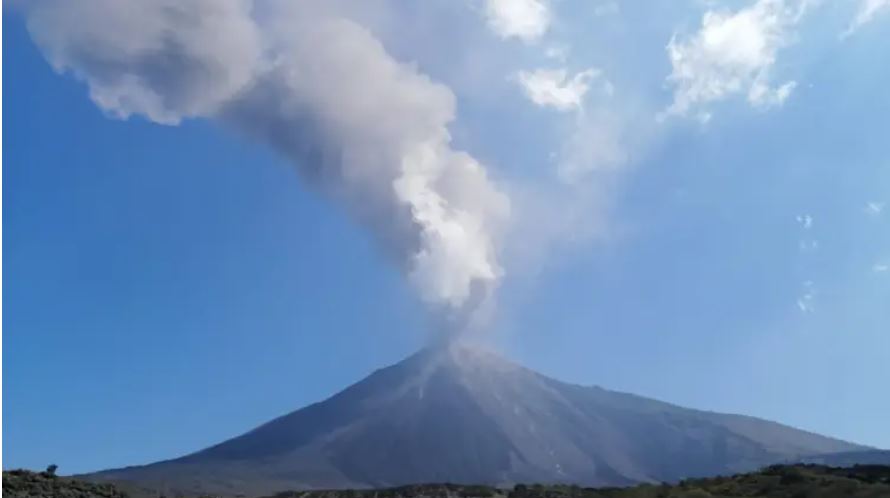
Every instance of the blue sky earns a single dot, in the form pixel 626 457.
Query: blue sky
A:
pixel 168 287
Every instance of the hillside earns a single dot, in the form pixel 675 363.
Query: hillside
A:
pixel 452 414
pixel 27 484
pixel 798 481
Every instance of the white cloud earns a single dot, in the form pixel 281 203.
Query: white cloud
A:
pixel 874 208
pixel 596 141
pixel 527 20
pixel 805 220
pixel 554 88
pixel 806 223
pixel 806 302
pixel 881 268
pixel 762 96
pixel 868 10
pixel 732 54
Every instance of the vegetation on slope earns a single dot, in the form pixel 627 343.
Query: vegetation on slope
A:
pixel 780 481
pixel 27 484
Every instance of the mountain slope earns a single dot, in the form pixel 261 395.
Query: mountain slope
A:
pixel 452 414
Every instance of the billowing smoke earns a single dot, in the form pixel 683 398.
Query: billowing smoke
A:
pixel 371 132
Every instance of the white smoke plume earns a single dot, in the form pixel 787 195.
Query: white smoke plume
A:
pixel 369 131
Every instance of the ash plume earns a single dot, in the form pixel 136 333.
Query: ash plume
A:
pixel 369 131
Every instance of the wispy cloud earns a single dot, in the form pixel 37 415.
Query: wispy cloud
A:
pixel 808 245
pixel 874 208
pixel 733 53
pixel 868 11
pixel 597 132
pixel 554 88
pixel 806 302
pixel 595 143
pixel 880 268
pixel 805 220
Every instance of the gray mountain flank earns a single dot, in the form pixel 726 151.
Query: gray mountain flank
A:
pixel 460 415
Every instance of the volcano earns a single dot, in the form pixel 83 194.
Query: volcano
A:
pixel 461 415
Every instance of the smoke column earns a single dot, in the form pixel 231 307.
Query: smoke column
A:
pixel 370 132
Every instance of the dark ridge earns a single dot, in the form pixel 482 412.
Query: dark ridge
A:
pixel 27 484
pixel 778 481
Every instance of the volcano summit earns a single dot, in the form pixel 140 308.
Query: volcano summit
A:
pixel 454 414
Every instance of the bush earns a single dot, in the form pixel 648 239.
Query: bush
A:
pixel 50 470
